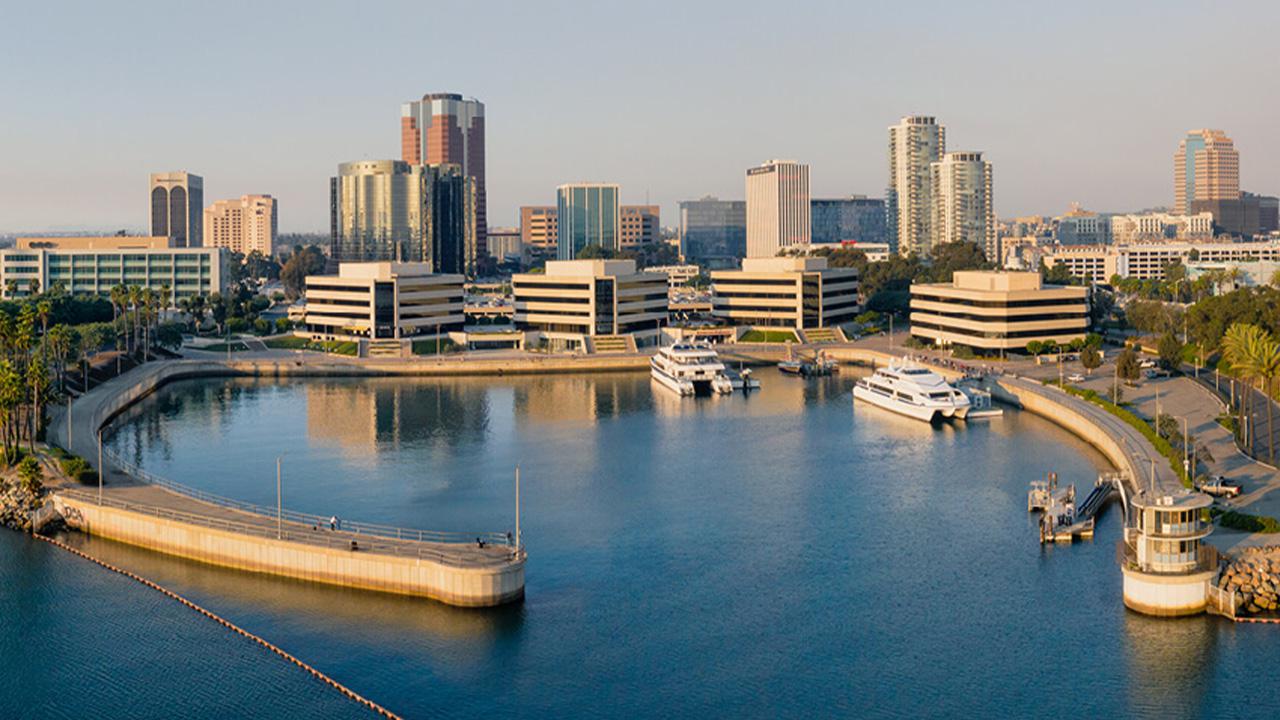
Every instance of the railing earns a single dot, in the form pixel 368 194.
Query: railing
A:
pixel 389 532
pixel 333 541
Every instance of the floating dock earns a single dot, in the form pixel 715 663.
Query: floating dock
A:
pixel 1064 521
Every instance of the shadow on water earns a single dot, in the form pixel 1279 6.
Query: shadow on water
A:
pixel 334 607
pixel 1169 663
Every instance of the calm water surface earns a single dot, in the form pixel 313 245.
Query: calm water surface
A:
pixel 783 554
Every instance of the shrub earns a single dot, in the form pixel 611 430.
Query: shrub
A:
pixel 78 469
pixel 31 474
pixel 1245 522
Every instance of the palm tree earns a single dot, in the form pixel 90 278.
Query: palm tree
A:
pixel 1239 346
pixel 135 295
pixel 1267 362
pixel 44 309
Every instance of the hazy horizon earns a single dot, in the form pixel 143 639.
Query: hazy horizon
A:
pixel 1081 103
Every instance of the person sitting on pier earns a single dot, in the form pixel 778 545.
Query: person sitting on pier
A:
pixel 480 543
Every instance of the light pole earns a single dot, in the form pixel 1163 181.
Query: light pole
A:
pixel 68 421
pixel 517 508
pixel 101 470
pixel 279 499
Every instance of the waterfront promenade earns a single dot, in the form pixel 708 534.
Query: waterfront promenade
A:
pixel 472 569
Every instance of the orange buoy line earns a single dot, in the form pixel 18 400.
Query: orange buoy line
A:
pixel 348 692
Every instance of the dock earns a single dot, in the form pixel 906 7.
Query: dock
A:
pixel 1063 520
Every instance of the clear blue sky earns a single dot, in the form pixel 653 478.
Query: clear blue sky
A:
pixel 1072 101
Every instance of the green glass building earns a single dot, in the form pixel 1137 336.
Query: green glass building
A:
pixel 588 215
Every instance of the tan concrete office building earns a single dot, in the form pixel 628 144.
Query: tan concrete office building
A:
pixel 94 265
pixel 992 310
pixel 383 301
pixel 792 292
pixel 779 212
pixel 638 225
pixel 1206 167
pixel 244 226
pixel 591 305
pixel 540 228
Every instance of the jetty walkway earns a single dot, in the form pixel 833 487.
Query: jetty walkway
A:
pixel 138 508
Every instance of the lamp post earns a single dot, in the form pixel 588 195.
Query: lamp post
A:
pixel 279 499
pixel 517 508
pixel 101 470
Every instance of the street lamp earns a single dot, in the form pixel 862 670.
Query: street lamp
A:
pixel 279 499
pixel 101 470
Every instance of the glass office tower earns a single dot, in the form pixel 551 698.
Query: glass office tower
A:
pixel 588 214
pixel 713 232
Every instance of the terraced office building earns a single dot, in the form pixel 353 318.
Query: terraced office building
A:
pixel 991 310
pixel 94 265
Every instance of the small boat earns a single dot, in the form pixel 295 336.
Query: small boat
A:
pixel 690 369
pixel 741 379
pixel 914 391
pixel 791 367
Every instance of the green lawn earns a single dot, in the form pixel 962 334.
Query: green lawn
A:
pixel 768 336
pixel 222 347
pixel 288 342
pixel 429 347
pixel 336 347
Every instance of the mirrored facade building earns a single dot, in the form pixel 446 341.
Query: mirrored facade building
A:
pixel 713 232
pixel 853 219
pixel 588 215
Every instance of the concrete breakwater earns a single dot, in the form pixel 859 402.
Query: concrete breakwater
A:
pixel 134 509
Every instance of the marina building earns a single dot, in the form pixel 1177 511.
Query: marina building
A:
pixel 792 292
pixel 177 207
pixel 94 265
pixel 392 211
pixel 587 215
pixel 713 232
pixel 993 310
pixel 915 143
pixel 383 301
pixel 591 305
pixel 242 226
pixel 1167 570
pixel 778 212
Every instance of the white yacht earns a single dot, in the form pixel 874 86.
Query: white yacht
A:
pixel 912 391
pixel 690 369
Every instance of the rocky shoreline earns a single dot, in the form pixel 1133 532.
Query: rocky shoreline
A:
pixel 1254 578
pixel 18 505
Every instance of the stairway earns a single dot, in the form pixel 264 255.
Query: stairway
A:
pixel 823 335
pixel 603 344
pixel 386 349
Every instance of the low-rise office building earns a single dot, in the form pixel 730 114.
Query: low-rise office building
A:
pixel 577 304
pixel 792 292
pixel 383 301
pixel 94 265
pixel 1148 261
pixel 998 311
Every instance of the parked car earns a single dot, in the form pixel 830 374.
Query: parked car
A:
pixel 1077 377
pixel 1219 486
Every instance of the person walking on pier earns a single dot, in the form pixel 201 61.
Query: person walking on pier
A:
pixel 333 523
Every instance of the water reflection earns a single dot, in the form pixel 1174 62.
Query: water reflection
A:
pixel 1169 664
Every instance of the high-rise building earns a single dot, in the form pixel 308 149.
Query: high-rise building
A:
pixel 387 210
pixel 915 143
pixel 177 207
pixel 713 232
pixel 1206 167
pixel 588 215
pixel 448 128
pixel 853 219
pixel 638 225
pixel 963 210
pixel 539 229
pixel 778 214
pixel 243 226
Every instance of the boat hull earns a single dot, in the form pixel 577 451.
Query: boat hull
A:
pixel 918 412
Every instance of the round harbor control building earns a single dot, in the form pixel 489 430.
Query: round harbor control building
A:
pixel 1167 569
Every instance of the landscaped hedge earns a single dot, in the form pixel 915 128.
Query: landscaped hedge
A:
pixel 1245 522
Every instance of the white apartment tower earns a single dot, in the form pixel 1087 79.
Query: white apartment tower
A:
pixel 778 214
pixel 243 226
pixel 915 143
pixel 963 210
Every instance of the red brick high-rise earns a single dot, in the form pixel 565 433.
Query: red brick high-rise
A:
pixel 447 128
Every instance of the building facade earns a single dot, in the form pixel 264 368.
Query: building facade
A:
pixel 1127 229
pixel 177 207
pixel 242 226
pixel 1206 167
pixel 1245 216
pixel 94 265
pixel 383 301
pixel 576 303
pixel 391 211
pixel 505 244
pixel 448 129
pixel 588 215
pixel 998 311
pixel 793 292
pixel 540 229
pixel 963 207
pixel 778 213
pixel 1081 227
pixel 1150 260
pixel 713 232
pixel 915 143
pixel 638 225
pixel 858 219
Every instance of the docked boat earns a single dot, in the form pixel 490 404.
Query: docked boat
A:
pixel 741 379
pixel 690 369
pixel 914 391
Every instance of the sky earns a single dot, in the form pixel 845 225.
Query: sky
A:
pixel 1071 101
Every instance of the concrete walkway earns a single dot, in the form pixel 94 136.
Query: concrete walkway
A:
pixel 123 490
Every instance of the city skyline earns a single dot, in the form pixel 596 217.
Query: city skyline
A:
pixel 679 142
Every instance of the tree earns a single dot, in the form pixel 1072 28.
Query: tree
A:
pixel 1170 350
pixel 1091 359
pixel 1058 274
pixel 595 252
pixel 31 474
pixel 1267 361
pixel 1127 366
pixel 303 262
pixel 1035 347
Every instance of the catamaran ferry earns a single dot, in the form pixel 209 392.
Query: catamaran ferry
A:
pixel 690 369
pixel 912 391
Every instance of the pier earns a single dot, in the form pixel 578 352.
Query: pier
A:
pixel 135 507
pixel 1063 520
